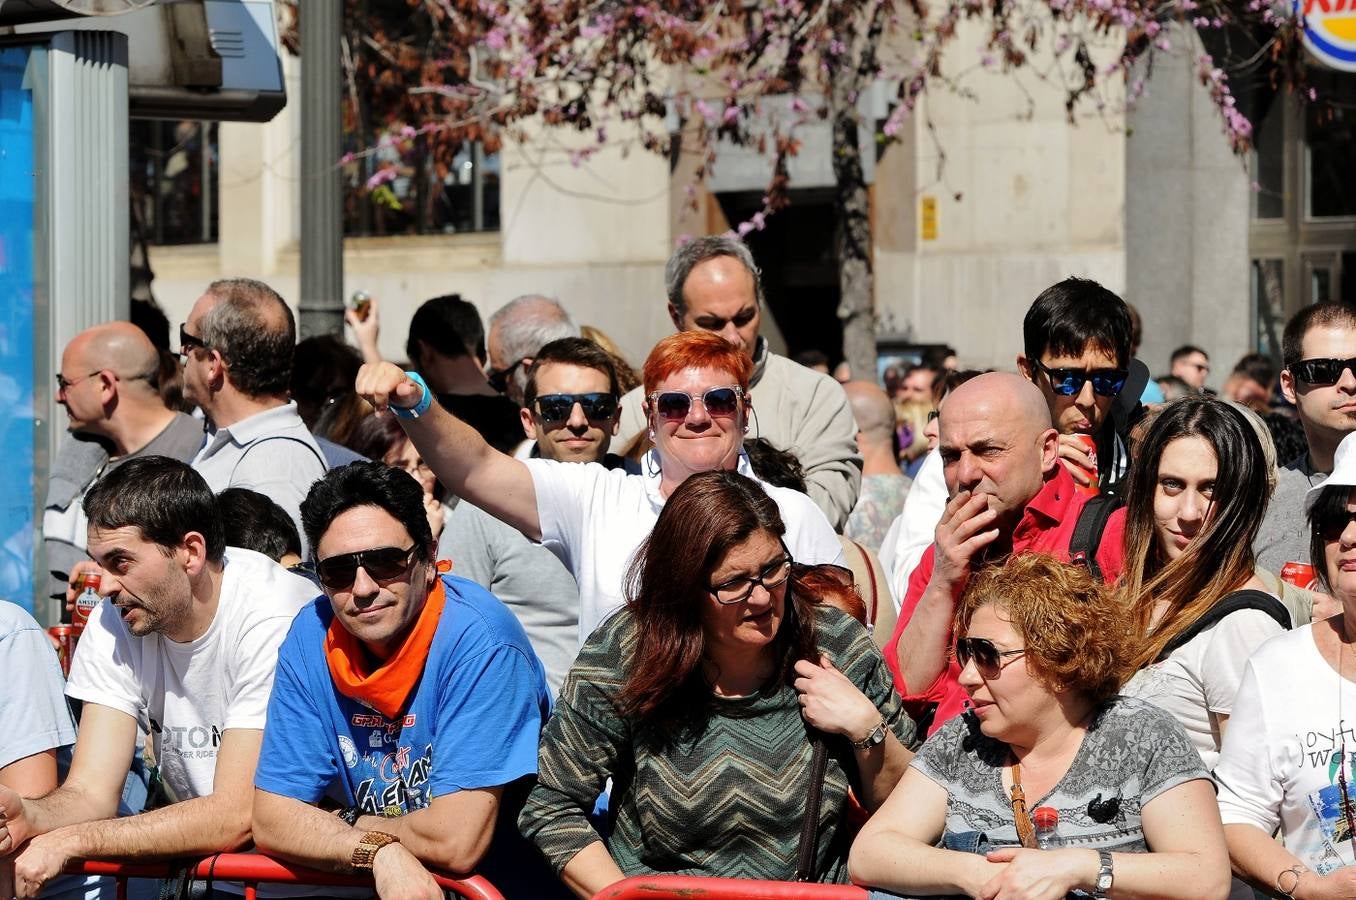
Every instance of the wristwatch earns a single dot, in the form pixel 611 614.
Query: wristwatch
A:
pixel 877 736
pixel 1104 877
pixel 367 848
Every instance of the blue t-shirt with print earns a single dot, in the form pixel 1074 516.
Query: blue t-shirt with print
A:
pixel 473 721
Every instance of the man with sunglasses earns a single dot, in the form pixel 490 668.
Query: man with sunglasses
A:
pixel 108 385
pixel 697 409
pixel 1076 338
pixel 571 404
pixel 714 286
pixel 1318 349
pixel 409 698
pixel 183 646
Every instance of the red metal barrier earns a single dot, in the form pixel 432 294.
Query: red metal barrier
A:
pixel 254 869
pixel 652 887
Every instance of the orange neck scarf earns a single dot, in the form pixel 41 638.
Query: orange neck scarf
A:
pixel 387 687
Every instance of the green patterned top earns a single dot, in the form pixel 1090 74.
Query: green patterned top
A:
pixel 729 802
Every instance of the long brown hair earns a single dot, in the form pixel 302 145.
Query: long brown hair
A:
pixel 1219 559
pixel 667 585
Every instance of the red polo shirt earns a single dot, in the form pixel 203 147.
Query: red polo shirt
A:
pixel 1046 526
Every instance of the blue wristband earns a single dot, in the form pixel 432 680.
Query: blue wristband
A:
pixel 425 400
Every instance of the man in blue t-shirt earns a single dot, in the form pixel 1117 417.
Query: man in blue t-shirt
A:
pixel 410 702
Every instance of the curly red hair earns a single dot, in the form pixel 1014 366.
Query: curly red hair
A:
pixel 696 350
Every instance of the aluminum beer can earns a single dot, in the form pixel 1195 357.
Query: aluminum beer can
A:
pixel 1300 574
pixel 87 599
pixel 1089 444
pixel 65 637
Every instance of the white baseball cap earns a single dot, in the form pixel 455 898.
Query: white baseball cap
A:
pixel 1343 471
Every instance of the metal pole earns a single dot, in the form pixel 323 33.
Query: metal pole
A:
pixel 322 225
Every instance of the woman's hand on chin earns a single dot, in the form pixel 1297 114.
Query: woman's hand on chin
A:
pixel 1040 874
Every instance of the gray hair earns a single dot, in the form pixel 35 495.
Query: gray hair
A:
pixel 699 250
pixel 526 324
pixel 252 328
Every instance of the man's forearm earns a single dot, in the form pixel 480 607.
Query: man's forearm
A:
pixel 304 834
pixel 923 644
pixel 451 846
pixel 194 827
pixel 65 806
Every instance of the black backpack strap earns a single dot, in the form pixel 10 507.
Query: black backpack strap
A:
pixel 1228 605
pixel 1087 534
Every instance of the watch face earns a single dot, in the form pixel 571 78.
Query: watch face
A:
pixel 1104 882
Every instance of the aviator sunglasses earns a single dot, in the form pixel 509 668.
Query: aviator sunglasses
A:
pixel 1069 382
pixel 673 406
pixel 1322 372
pixel 381 564
pixel 555 409
pixel 988 658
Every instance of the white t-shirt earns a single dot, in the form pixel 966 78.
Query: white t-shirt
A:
pixel 1198 680
pixel 1279 762
pixel 595 518
pixel 188 694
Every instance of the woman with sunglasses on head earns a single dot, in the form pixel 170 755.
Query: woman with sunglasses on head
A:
pixel 1040 644
pixel 1286 764
pixel 700 700
pixel 1198 493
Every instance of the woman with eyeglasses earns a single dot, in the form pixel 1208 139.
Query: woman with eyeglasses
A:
pixel 702 700
pixel 1198 493
pixel 1040 646
pixel 1286 767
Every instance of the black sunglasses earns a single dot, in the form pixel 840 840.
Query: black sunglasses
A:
pixel 556 409
pixel 187 341
pixel 1322 372
pixel 673 406
pixel 1069 382
pixel 499 378
pixel 65 385
pixel 381 564
pixel 1330 528
pixel 988 658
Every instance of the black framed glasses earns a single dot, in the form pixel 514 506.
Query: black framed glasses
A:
pixel 988 659
pixel 499 378
pixel 64 384
pixel 771 576
pixel 189 342
pixel 1330 528
pixel 381 564
pixel 556 409
pixel 719 402
pixel 1322 372
pixel 1069 382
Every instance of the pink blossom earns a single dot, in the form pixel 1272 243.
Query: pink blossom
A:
pixel 744 228
pixel 495 39
pixel 731 115
pixel 381 176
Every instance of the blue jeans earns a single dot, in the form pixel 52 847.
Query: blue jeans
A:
pixel 963 842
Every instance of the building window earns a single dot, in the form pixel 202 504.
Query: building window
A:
pixel 173 184
pixel 1329 139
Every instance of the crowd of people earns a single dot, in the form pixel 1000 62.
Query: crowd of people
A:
pixel 514 607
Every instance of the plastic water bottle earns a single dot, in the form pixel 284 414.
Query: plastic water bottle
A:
pixel 1046 819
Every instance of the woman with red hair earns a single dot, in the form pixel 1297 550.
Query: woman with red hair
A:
pixel 697 409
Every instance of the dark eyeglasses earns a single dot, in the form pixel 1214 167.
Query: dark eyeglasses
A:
pixel 499 378
pixel 1069 382
pixel 187 342
pixel 988 658
pixel 64 385
pixel 1322 372
pixel 673 406
pixel 556 409
pixel 381 564
pixel 1331 527
pixel 772 576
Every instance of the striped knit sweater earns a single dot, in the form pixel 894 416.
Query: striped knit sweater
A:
pixel 729 802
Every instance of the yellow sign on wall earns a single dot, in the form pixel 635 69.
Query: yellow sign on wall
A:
pixel 929 218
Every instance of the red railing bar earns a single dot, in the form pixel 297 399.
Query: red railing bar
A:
pixel 647 887
pixel 257 868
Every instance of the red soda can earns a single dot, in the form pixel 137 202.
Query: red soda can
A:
pixel 1300 574
pixel 65 637
pixel 1089 444
pixel 87 599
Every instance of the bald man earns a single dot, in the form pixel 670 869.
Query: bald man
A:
pixel 883 484
pixel 108 385
pixel 1008 493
